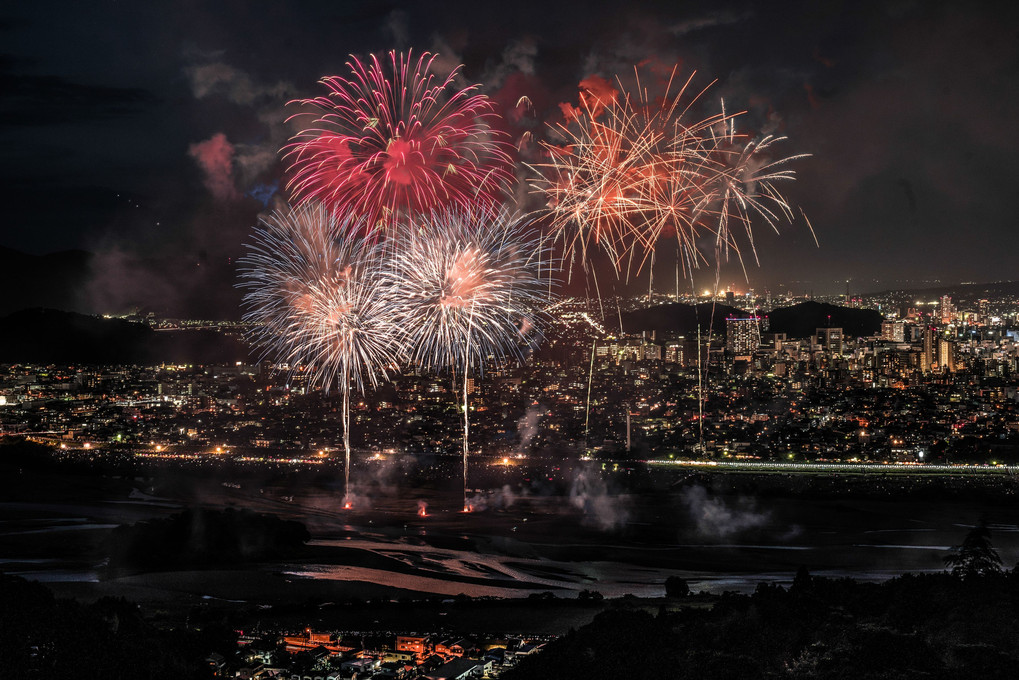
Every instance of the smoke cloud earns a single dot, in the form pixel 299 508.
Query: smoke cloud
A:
pixel 236 85
pixel 249 162
pixel 498 499
pixel 121 281
pixel 713 518
pixel 396 29
pixel 527 426
pixel 215 156
pixel 590 495
pixel 518 57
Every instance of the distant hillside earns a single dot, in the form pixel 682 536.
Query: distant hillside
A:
pixel 53 280
pixel 679 318
pixel 798 321
pixel 803 320
pixel 51 336
pixel 965 291
pixel 117 282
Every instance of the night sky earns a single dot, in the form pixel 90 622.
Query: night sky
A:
pixel 147 131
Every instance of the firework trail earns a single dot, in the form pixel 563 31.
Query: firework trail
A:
pixel 743 174
pixel 470 292
pixel 314 291
pixel 391 138
pixel 627 169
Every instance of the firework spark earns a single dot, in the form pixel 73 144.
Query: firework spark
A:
pixel 314 291
pixel 471 292
pixel 392 139
pixel 630 170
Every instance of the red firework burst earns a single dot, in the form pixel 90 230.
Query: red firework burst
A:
pixel 393 138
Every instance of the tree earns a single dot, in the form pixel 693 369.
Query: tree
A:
pixel 803 581
pixel 676 587
pixel 976 556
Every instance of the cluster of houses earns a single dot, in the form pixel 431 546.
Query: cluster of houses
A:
pixel 311 655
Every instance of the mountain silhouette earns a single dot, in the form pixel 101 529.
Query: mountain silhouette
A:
pixel 49 336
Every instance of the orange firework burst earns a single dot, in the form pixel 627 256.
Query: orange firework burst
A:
pixel 628 170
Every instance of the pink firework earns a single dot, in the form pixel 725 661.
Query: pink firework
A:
pixel 392 139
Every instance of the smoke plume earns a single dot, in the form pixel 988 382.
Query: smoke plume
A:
pixel 215 156
pixel 497 499
pixel 590 495
pixel 527 426
pixel 713 518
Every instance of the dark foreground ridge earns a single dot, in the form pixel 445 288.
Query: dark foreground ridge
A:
pixel 935 626
pixel 45 637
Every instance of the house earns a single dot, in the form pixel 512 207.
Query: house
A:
pixel 394 669
pixel 399 655
pixel 459 669
pixel 432 662
pixel 451 647
pixel 217 664
pixel 415 644
pixel 360 667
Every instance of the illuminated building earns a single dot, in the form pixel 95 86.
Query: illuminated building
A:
pixel 893 331
pixel 927 351
pixel 410 643
pixel 947 309
pixel 674 353
pixel 946 356
pixel 830 340
pixel 742 335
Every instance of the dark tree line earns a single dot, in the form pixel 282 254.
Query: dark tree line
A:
pixel 963 624
pixel 45 637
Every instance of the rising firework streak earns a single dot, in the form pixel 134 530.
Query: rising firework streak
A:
pixel 319 304
pixel 470 292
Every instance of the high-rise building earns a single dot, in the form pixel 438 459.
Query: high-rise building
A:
pixel 742 336
pixel 830 340
pixel 947 309
pixel 893 331
pixel 927 350
pixel 983 309
pixel 674 353
pixel 946 356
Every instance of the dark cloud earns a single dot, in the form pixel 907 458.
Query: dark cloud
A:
pixel 32 100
